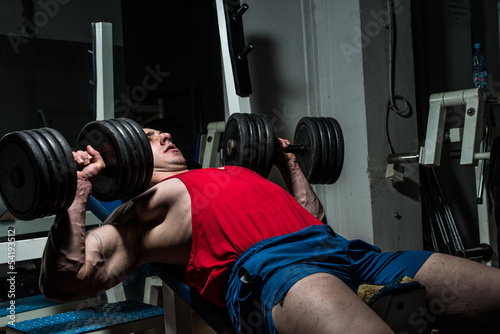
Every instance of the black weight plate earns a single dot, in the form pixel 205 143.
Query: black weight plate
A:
pixel 316 166
pixel 251 149
pixel 67 167
pixel 123 157
pixel 257 155
pixel 332 149
pixel 23 176
pixel 144 147
pixel 135 163
pixel 148 155
pixel 107 139
pixel 46 179
pixel 265 145
pixel 307 135
pixel 256 143
pixel 231 143
pixel 247 151
pixel 270 145
pixel 323 172
pixel 339 148
pixel 304 160
pixel 236 137
pixel 62 169
pixel 48 154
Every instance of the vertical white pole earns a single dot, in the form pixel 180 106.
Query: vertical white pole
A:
pixel 103 67
pixel 234 102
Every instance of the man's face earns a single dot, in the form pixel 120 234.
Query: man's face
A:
pixel 166 155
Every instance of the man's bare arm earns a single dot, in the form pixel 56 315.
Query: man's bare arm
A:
pixel 76 264
pixel 297 183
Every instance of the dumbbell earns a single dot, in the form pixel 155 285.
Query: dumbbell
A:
pixel 38 171
pixel 318 144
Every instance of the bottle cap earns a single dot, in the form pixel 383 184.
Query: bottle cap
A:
pixel 477 46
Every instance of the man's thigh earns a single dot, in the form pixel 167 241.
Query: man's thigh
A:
pixel 461 288
pixel 322 303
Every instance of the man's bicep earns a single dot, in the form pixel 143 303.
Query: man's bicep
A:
pixel 109 256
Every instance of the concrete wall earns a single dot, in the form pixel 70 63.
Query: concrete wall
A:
pixel 396 207
pixel 64 20
pixel 330 58
pixel 45 63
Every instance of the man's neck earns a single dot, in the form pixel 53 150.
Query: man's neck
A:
pixel 159 176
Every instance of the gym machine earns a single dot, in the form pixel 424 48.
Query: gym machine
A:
pixel 475 151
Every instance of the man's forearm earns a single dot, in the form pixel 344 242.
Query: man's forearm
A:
pixel 64 253
pixel 300 189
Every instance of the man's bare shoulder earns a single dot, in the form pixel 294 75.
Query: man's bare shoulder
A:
pixel 158 222
pixel 166 193
pixel 152 204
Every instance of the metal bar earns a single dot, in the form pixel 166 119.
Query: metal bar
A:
pixel 403 158
pixel 425 196
pixel 211 154
pixel 457 240
pixel 102 33
pixel 296 149
pixel 234 103
pixel 474 109
pixel 442 229
pixel 430 153
pixel 483 252
pixel 483 163
pixel 477 156
pixel 433 238
pixel 432 210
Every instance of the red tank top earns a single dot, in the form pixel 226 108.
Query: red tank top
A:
pixel 232 209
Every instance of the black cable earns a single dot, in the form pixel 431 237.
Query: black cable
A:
pixel 391 104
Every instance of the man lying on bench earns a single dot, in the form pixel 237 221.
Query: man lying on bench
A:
pixel 252 247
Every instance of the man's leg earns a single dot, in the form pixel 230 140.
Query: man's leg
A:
pixel 322 303
pixel 461 293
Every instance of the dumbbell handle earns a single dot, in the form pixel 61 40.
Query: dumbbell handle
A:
pixel 295 149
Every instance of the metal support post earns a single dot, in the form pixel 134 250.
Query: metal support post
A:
pixel 473 100
pixel 211 154
pixel 233 102
pixel 102 39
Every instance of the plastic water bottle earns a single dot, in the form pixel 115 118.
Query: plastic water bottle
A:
pixel 479 74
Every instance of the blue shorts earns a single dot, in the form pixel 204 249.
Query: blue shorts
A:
pixel 266 271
